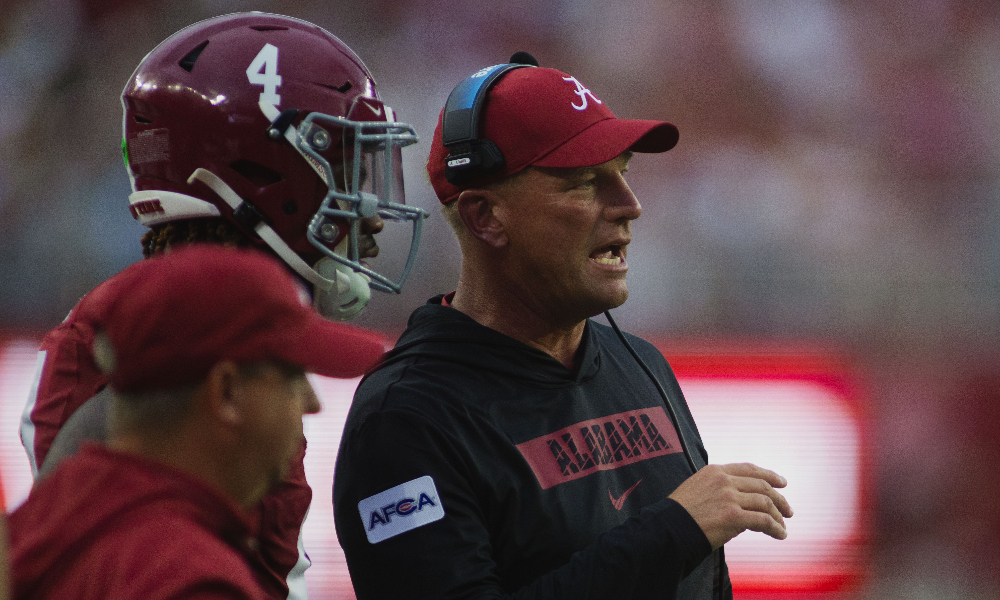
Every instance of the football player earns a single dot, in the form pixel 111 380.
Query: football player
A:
pixel 255 130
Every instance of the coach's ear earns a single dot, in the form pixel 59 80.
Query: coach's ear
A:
pixel 476 208
pixel 220 388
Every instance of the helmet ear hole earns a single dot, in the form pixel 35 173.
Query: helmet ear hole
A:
pixel 257 174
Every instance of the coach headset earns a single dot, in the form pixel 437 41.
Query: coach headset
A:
pixel 471 157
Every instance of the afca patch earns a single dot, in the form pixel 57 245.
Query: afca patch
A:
pixel 399 509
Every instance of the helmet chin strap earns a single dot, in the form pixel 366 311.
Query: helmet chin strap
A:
pixel 339 292
pixel 341 305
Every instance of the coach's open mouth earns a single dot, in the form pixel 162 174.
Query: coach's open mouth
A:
pixel 609 255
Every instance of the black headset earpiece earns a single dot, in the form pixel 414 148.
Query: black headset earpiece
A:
pixel 469 156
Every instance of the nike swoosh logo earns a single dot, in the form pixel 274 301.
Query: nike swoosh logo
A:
pixel 375 109
pixel 618 502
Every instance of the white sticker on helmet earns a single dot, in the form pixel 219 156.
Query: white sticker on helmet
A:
pixel 153 207
pixel 400 509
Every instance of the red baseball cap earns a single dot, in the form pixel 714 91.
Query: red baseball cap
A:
pixel 546 118
pixel 171 318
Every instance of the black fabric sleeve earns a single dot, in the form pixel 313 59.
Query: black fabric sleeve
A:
pixel 452 557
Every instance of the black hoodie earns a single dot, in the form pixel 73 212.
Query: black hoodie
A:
pixel 475 466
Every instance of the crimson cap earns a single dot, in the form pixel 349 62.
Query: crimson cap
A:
pixel 546 118
pixel 171 318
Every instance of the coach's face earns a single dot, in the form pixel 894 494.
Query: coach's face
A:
pixel 568 232
pixel 277 396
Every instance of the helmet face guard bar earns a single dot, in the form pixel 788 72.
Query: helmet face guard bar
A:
pixel 369 182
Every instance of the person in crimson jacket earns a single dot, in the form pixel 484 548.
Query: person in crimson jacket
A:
pixel 206 350
pixel 509 446
pixel 256 130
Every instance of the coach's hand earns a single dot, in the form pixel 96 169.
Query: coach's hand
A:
pixel 726 500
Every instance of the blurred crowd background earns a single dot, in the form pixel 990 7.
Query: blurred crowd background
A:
pixel 837 182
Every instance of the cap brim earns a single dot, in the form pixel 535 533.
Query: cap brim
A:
pixel 331 349
pixel 609 138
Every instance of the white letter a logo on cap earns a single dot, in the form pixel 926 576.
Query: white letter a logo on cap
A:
pixel 582 92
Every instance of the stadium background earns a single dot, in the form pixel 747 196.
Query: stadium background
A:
pixel 835 193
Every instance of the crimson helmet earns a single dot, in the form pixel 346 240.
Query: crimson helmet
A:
pixel 276 125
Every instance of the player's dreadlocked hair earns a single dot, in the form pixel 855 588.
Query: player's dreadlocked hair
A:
pixel 214 230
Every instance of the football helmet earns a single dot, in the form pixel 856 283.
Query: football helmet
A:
pixel 276 125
